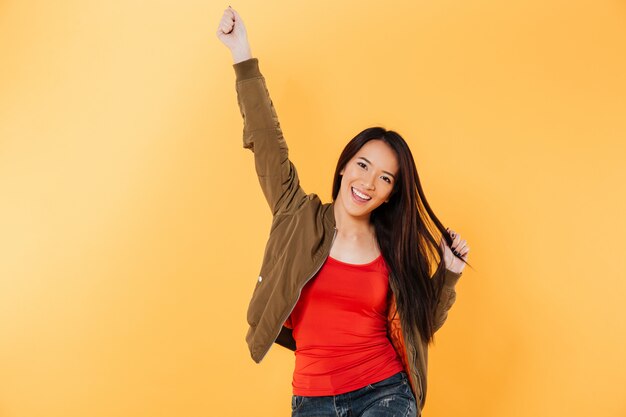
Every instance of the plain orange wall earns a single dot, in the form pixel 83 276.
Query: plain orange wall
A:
pixel 132 226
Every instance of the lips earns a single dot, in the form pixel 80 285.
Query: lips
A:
pixel 359 196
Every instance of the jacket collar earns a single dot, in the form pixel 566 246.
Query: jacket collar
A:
pixel 329 215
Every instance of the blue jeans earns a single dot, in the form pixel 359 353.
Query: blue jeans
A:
pixel 391 397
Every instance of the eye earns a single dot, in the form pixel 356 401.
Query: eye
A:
pixel 387 179
pixel 362 165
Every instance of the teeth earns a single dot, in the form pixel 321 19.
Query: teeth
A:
pixel 363 196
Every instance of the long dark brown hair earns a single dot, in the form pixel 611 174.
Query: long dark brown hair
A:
pixel 405 230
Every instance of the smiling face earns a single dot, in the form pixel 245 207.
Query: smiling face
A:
pixel 368 178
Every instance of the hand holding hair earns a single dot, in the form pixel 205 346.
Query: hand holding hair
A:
pixel 232 32
pixel 455 255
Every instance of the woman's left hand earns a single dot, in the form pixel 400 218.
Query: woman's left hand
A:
pixel 460 247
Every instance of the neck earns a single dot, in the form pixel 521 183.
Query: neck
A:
pixel 349 225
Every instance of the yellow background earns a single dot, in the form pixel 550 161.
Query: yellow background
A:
pixel 132 225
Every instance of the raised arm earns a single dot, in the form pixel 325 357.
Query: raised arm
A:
pixel 261 132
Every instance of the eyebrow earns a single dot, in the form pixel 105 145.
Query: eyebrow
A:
pixel 386 172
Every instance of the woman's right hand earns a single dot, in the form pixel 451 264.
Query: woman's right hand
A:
pixel 232 32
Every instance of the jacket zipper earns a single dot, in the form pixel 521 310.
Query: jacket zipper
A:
pixel 299 293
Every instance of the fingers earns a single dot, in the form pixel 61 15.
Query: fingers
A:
pixel 459 246
pixel 235 14
pixel 227 23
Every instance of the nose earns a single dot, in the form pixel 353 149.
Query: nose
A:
pixel 368 182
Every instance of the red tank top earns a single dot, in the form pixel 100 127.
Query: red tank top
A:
pixel 340 328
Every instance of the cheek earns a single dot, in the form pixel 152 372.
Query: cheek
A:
pixel 348 177
pixel 345 185
pixel 387 193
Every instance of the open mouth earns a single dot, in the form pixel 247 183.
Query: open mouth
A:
pixel 359 196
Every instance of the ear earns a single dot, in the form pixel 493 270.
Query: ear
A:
pixel 341 172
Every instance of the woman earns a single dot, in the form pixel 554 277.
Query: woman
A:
pixel 348 285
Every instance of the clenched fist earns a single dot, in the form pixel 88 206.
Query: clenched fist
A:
pixel 232 32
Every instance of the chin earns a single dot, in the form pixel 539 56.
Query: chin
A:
pixel 360 211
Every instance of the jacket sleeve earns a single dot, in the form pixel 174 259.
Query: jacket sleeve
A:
pixel 447 297
pixel 263 136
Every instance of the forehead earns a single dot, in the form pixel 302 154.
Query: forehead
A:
pixel 380 154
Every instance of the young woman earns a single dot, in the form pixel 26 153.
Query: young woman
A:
pixel 347 285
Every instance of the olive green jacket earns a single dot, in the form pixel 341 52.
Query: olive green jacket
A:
pixel 301 235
